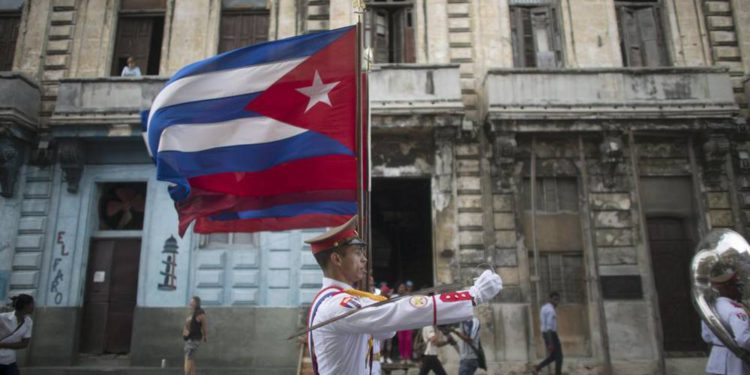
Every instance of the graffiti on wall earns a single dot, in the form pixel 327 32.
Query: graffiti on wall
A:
pixel 170 263
pixel 59 276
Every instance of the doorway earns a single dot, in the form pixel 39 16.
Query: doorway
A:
pixel 110 298
pixel 402 231
pixel 671 254
pixel 113 265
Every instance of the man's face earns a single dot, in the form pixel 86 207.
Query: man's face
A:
pixel 555 300
pixel 731 290
pixel 353 263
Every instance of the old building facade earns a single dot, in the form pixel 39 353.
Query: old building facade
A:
pixel 582 146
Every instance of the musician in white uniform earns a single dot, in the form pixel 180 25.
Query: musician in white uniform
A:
pixel 723 361
pixel 342 347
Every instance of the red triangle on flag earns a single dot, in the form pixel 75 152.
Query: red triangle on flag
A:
pixel 319 94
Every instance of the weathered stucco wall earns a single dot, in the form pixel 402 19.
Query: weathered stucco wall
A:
pixel 94 38
pixel 191 33
pixel 32 38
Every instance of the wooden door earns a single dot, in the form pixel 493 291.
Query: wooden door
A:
pixel 671 253
pixel 133 39
pixel 110 298
pixel 8 34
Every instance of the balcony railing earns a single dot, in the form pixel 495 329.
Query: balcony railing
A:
pixel 104 101
pixel 19 102
pixel 400 95
pixel 519 94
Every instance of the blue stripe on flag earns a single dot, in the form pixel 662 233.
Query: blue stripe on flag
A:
pixel 246 158
pixel 285 49
pixel 289 210
pixel 199 112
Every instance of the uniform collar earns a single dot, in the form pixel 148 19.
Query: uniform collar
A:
pixel 328 282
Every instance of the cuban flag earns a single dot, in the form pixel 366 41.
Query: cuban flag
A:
pixel 261 138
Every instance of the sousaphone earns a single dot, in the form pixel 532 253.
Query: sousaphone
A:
pixel 720 250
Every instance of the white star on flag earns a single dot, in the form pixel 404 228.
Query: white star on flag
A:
pixel 318 92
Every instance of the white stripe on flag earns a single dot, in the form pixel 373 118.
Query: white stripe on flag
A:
pixel 242 131
pixel 222 84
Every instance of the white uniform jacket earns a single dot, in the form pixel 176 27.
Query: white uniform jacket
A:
pixel 722 360
pixel 341 348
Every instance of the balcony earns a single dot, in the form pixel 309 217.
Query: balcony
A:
pixel 400 96
pixel 19 104
pixel 413 95
pixel 607 94
pixel 103 106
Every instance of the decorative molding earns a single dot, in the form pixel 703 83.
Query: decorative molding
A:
pixel 611 155
pixel 70 154
pixel 715 151
pixel 505 153
pixel 11 159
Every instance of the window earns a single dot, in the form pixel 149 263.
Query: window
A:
pixel 122 206
pixel 241 28
pixel 140 30
pixel 535 37
pixel 389 31
pixel 9 22
pixel 641 35
pixel 563 273
pixel 227 240
pixel 553 194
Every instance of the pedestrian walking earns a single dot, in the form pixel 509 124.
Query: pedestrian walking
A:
pixel 470 348
pixel 548 318
pixel 193 333
pixel 433 339
pixel 15 332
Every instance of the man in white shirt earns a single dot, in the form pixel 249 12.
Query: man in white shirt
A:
pixel 15 332
pixel 434 339
pixel 342 347
pixel 733 315
pixel 548 320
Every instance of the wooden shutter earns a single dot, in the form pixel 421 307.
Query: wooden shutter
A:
pixel 542 29
pixel 524 53
pixel 651 36
pixel 407 36
pixel 133 39
pixel 641 36
pixel 8 34
pixel 380 40
pixel 241 29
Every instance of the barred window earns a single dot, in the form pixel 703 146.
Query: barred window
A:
pixel 563 273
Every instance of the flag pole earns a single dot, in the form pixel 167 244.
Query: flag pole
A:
pixel 363 214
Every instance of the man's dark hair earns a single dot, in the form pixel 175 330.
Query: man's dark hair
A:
pixel 20 301
pixel 554 294
pixel 324 256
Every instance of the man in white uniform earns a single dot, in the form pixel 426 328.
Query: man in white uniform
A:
pixel 723 361
pixel 342 347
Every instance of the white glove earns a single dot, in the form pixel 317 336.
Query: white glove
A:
pixel 486 287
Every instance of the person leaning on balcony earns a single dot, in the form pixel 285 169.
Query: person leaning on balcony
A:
pixel 131 70
pixel 15 332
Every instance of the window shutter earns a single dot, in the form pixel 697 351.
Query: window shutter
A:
pixel 380 38
pixel 8 35
pixel 241 29
pixel 648 25
pixel 408 51
pixel 542 30
pixel 133 39
pixel 629 37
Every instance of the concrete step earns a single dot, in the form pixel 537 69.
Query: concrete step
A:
pixel 76 370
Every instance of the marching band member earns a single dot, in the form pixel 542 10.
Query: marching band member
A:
pixel 723 361
pixel 342 347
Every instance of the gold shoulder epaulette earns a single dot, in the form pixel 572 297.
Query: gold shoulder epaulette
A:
pixel 361 293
